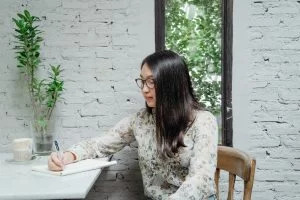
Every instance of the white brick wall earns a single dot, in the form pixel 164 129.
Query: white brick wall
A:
pixel 266 93
pixel 100 45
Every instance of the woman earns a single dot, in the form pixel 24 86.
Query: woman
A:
pixel 177 140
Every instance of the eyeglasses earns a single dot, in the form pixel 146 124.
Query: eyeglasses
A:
pixel 141 82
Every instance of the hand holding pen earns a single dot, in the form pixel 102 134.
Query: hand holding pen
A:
pixel 57 161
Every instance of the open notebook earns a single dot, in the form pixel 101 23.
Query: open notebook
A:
pixel 81 166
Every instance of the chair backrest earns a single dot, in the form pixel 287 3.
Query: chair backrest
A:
pixel 237 163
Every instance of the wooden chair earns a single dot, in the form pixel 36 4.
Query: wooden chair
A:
pixel 237 163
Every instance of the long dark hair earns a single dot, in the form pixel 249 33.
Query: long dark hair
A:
pixel 175 100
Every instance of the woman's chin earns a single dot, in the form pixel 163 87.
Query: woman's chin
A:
pixel 150 104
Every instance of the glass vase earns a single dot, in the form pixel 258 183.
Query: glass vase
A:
pixel 43 132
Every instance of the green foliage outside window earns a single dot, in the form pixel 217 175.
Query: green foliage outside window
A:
pixel 193 29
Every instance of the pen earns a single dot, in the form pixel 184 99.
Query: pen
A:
pixel 110 157
pixel 59 153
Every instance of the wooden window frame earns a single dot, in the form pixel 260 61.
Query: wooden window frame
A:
pixel 226 51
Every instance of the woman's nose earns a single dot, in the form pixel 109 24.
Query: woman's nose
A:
pixel 145 88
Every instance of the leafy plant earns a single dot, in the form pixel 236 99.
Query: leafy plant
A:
pixel 193 29
pixel 43 94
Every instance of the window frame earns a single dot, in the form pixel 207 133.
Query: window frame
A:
pixel 226 61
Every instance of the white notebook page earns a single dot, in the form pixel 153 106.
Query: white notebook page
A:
pixel 81 166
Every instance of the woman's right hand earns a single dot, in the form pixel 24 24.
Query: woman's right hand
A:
pixel 55 164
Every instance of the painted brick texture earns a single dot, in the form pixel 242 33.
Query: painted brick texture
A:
pixel 100 45
pixel 273 79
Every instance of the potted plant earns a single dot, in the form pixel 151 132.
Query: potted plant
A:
pixel 43 93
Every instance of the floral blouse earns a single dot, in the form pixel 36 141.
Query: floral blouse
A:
pixel 188 175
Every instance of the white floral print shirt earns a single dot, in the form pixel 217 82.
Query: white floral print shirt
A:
pixel 189 175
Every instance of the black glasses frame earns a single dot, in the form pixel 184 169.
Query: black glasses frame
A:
pixel 141 82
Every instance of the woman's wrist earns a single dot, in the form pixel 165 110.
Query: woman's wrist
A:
pixel 69 157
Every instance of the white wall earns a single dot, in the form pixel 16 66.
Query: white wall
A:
pixel 100 45
pixel 266 93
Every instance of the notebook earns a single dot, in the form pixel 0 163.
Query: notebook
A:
pixel 81 166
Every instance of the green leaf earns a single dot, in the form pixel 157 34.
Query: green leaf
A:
pixel 39 39
pixel 27 14
pixel 16 21
pixel 21 16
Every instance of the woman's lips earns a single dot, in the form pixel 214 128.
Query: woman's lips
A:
pixel 149 98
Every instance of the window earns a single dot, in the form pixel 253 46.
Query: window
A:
pixel 180 25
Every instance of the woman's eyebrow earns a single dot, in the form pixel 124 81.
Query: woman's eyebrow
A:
pixel 150 76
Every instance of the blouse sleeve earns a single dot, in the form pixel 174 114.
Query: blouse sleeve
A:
pixel 111 142
pixel 199 183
